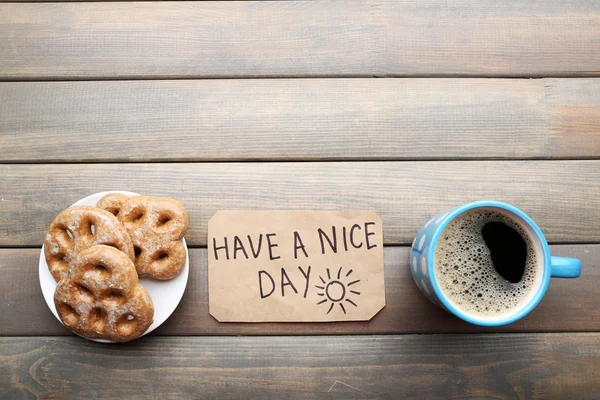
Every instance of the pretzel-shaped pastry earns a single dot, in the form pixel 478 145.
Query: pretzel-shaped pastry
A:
pixel 78 228
pixel 112 202
pixel 102 297
pixel 156 226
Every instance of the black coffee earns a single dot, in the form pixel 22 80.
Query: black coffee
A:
pixel 507 248
pixel 485 263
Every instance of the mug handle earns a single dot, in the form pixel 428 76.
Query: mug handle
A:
pixel 563 267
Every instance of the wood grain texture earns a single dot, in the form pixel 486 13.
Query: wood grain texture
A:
pixel 531 366
pixel 299 119
pixel 329 38
pixel 563 197
pixel 568 306
pixel 573 105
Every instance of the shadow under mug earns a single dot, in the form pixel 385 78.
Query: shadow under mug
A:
pixel 423 271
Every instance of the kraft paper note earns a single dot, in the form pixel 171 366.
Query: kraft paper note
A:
pixel 295 266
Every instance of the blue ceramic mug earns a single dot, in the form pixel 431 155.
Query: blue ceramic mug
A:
pixel 424 272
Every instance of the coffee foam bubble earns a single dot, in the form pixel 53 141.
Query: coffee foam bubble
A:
pixel 465 271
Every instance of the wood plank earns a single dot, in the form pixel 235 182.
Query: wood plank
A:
pixel 300 119
pixel 329 38
pixel 573 105
pixel 568 305
pixel 563 197
pixel 532 366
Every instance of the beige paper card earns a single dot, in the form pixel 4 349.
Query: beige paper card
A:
pixel 295 266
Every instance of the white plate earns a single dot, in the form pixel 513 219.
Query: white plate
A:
pixel 166 295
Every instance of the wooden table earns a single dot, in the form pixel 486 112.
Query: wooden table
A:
pixel 284 105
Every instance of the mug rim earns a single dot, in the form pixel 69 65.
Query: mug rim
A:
pixel 540 291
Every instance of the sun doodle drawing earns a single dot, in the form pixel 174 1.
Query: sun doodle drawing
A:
pixel 336 291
